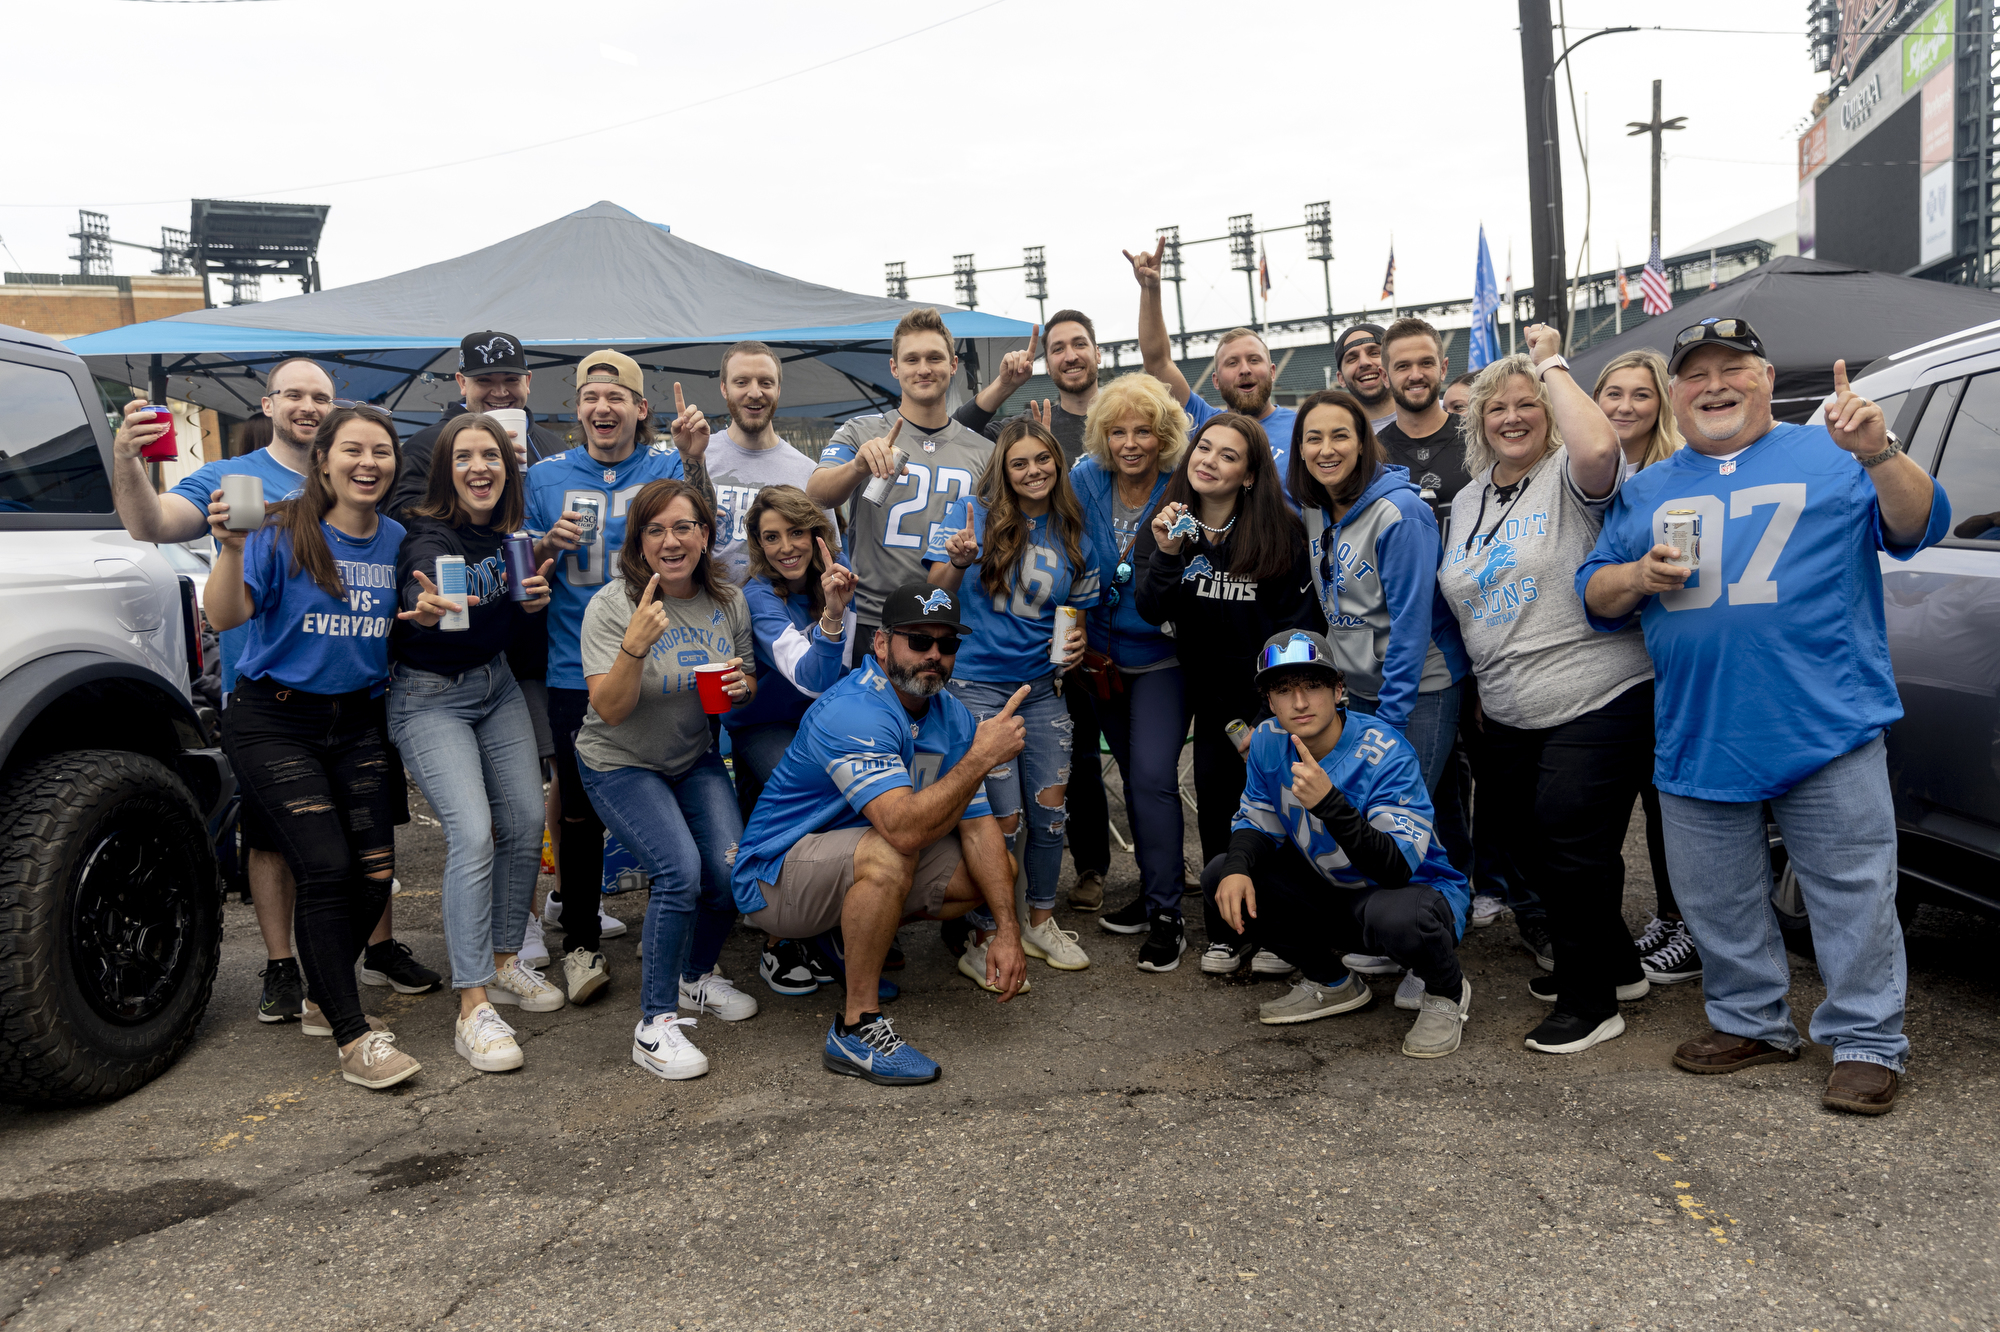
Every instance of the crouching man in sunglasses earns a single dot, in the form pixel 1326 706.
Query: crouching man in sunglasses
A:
pixel 1332 851
pixel 877 815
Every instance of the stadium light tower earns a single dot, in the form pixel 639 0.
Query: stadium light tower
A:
pixel 1036 269
pixel 1243 249
pixel 93 238
pixel 899 284
pixel 1319 246
pixel 1170 271
pixel 965 281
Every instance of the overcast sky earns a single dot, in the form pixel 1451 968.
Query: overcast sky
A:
pixel 1078 126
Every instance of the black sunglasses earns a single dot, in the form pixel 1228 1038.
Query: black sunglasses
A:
pixel 1719 328
pixel 922 643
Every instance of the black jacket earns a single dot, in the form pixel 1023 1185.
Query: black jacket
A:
pixel 1220 622
pixel 414 477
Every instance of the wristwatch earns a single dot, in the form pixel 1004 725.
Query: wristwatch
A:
pixel 1876 460
pixel 1557 362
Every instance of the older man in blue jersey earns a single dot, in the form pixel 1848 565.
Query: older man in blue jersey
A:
pixel 1773 683
pixel 1332 852
pixel 876 815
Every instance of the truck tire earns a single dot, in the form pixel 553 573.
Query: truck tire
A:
pixel 110 925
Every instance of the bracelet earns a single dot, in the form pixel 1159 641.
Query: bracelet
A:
pixel 636 656
pixel 960 567
pixel 1895 446
pixel 834 632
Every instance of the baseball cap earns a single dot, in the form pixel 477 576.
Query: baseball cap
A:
pixel 1358 333
pixel 921 604
pixel 1290 649
pixel 1735 333
pixel 491 353
pixel 624 370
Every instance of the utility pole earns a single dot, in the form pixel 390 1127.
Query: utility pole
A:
pixel 1544 162
pixel 1243 248
pixel 1655 127
pixel 1319 246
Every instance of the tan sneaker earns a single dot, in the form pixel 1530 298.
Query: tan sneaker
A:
pixel 521 986
pixel 313 1022
pixel 1054 945
pixel 586 975
pixel 1087 894
pixel 486 1042
pixel 375 1062
pixel 1439 1025
pixel 972 963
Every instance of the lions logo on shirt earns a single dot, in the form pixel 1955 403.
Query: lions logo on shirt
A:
pixel 1499 559
pixel 1198 567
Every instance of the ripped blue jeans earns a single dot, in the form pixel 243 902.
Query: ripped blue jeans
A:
pixel 1032 779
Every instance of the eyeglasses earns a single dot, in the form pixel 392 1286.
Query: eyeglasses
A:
pixel 1119 578
pixel 682 530
pixel 946 644
pixel 1298 650
pixel 1710 329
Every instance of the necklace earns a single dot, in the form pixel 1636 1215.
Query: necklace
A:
pixel 1214 532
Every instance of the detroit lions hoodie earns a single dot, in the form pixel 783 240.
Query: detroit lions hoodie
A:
pixel 1376 574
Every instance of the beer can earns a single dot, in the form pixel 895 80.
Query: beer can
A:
pixel 1681 529
pixel 590 516
pixel 519 552
pixel 1066 620
pixel 163 448
pixel 1238 732
pixel 451 586
pixel 244 494
pixel 878 488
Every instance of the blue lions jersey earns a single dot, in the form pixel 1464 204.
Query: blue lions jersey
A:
pixel 553 484
pixel 1773 660
pixel 1008 636
pixel 1375 768
pixel 855 743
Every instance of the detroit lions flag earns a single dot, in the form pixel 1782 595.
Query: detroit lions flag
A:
pixel 1485 303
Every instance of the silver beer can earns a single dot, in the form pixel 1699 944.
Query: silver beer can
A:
pixel 590 516
pixel 877 491
pixel 1681 529
pixel 1067 618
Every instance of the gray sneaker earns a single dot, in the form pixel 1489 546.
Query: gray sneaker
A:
pixel 1439 1024
pixel 1309 999
pixel 1087 894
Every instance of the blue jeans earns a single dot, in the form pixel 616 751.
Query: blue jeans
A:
pixel 1431 728
pixel 1839 827
pixel 1044 763
pixel 684 831
pixel 1149 756
pixel 468 740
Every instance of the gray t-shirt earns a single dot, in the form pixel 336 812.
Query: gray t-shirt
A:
pixel 667 730
pixel 1538 661
pixel 738 474
pixel 886 542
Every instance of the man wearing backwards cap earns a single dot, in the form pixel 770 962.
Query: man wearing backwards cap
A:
pixel 1331 800
pixel 1773 683
pixel 878 814
pixel 1357 362
pixel 617 458
pixel 493 376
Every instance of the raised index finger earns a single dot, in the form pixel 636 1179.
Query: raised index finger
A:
pixel 1160 250
pixel 1840 377
pixel 1014 702
pixel 895 429
pixel 680 403
pixel 1304 753
pixel 1034 336
pixel 652 586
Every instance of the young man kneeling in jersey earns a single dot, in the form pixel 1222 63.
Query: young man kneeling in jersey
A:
pixel 876 815
pixel 1332 852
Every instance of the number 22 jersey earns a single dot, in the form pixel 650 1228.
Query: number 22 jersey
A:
pixel 1773 660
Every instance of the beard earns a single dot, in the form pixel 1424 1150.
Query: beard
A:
pixel 918 681
pixel 1717 429
pixel 1251 402
pixel 1370 398
pixel 1408 400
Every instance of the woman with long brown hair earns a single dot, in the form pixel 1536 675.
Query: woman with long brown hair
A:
pixel 305 729
pixel 649 762
pixel 1034 571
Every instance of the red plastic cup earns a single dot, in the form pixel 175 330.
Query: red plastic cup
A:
pixel 163 448
pixel 708 682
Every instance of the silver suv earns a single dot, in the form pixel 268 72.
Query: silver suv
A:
pixel 111 796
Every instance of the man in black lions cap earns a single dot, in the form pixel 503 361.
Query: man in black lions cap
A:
pixel 493 376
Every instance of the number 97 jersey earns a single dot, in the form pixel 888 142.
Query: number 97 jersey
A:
pixel 886 541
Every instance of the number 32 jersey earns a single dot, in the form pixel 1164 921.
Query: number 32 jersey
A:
pixel 1773 660
pixel 886 541
pixel 554 484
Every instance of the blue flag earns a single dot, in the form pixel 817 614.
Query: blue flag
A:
pixel 1485 303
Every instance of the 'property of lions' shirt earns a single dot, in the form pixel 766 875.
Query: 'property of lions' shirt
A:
pixel 1773 660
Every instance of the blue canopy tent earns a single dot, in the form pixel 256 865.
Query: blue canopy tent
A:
pixel 600 277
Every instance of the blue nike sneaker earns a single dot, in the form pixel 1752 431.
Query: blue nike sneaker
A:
pixel 874 1051
pixel 831 951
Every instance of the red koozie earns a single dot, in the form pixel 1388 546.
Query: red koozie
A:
pixel 708 680
pixel 163 448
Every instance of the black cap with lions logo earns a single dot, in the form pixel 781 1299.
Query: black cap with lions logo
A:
pixel 491 353
pixel 915 604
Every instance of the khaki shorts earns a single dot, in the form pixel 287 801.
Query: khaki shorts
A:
pixel 818 871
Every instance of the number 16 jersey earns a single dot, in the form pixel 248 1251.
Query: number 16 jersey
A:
pixel 1773 659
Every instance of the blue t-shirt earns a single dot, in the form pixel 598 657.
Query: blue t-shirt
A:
pixel 856 743
pixel 553 485
pixel 796 661
pixel 280 483
pixel 1773 660
pixel 1277 426
pixel 300 636
pixel 1375 768
pixel 1116 627
pixel 1008 636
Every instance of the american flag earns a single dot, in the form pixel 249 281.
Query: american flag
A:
pixel 1655 297
pixel 1264 273
pixel 1389 278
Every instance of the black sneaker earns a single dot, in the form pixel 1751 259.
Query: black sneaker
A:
pixel 786 969
pixel 1535 938
pixel 391 963
pixel 1566 1033
pixel 1131 918
pixel 955 935
pixel 1544 988
pixel 1166 940
pixel 1675 960
pixel 284 991
pixel 830 951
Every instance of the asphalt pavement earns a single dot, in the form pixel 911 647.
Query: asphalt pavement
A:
pixel 1115 1149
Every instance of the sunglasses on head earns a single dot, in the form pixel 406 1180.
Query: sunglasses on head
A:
pixel 947 644
pixel 1720 328
pixel 1298 650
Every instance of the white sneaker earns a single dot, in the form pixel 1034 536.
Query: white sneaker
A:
pixel 661 1048
pixel 972 965
pixel 1054 945
pixel 1486 909
pixel 1368 965
pixel 713 993
pixel 609 925
pixel 1268 963
pixel 586 975
pixel 486 1042
pixel 521 986
pixel 1410 994
pixel 534 948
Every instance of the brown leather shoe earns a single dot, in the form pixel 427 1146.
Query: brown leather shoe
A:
pixel 1861 1088
pixel 1719 1052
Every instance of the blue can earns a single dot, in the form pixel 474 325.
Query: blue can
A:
pixel 519 552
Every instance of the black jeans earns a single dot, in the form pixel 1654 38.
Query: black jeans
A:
pixel 319 769
pixel 1218 768
pixel 1089 811
pixel 1566 793
pixel 1310 922
pixel 581 857
pixel 1656 852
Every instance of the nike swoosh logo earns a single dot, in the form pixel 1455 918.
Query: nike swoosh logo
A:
pixel 650 1047
pixel 868 1063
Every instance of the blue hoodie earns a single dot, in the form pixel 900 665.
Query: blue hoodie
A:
pixel 1118 631
pixel 1376 573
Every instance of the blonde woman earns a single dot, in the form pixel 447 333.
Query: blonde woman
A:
pixel 1567 725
